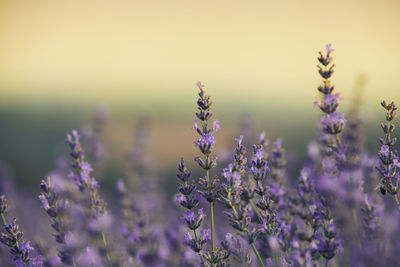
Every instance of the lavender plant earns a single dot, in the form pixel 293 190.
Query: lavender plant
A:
pixel 57 210
pixel 142 243
pixel 389 182
pixel 95 207
pixel 332 122
pixel 13 238
pixel 229 195
pixel 270 218
pixel 188 199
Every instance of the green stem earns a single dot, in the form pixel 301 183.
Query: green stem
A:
pixel 260 261
pixel 326 262
pixel 252 245
pixel 212 225
pixel 4 219
pixel 355 219
pixel 255 209
pixel 338 141
pixel 211 215
pixel 103 237
pixel 397 201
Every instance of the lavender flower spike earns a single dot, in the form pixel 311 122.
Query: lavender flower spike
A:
pixel 87 184
pixel 13 238
pixel 56 209
pixel 332 122
pixel 389 167
pixel 205 142
pixel 82 174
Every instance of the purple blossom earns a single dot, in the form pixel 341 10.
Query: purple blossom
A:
pixel 90 257
pixel 384 149
pixel 188 238
pixel 192 220
pixel 205 140
pixel 81 174
pixel 231 175
pixel 179 199
pixel 216 126
pixel 278 143
pixel 261 136
pixel 333 123
pixel 200 85
pixel 205 235
pixel 45 203
pixel 25 246
pixel 329 48
pixel 195 125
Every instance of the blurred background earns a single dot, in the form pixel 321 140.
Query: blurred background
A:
pixel 140 60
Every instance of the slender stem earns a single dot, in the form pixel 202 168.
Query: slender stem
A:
pixel 212 225
pixel 4 219
pixel 260 261
pixel 196 238
pixel 252 245
pixel 397 201
pixel 103 237
pixel 326 262
pixel 355 219
pixel 211 215
pixel 255 209
pixel 338 141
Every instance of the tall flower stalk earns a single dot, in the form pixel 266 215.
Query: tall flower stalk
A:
pixel 388 169
pixel 205 142
pixel 332 122
pixel 13 238
pixel 88 186
pixel 56 209
pixel 206 186
pixel 230 196
pixel 187 199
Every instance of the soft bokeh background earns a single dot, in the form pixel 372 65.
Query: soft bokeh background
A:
pixel 61 59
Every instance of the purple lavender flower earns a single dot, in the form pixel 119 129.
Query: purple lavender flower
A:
pixel 216 126
pixel 388 169
pixel 329 103
pixel 192 220
pixel 13 238
pixel 328 245
pixel 329 48
pixel 333 123
pixel 229 194
pixel 195 243
pixel 205 139
pixel 56 209
pixel 277 162
pixel 90 257
pixel 3 205
pixel 92 135
pixel 141 239
pixel 82 175
pixel 237 248
pixel 187 199
pixel 258 164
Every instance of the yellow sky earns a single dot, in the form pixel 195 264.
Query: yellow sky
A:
pixel 128 50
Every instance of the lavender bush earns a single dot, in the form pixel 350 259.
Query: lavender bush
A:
pixel 246 209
